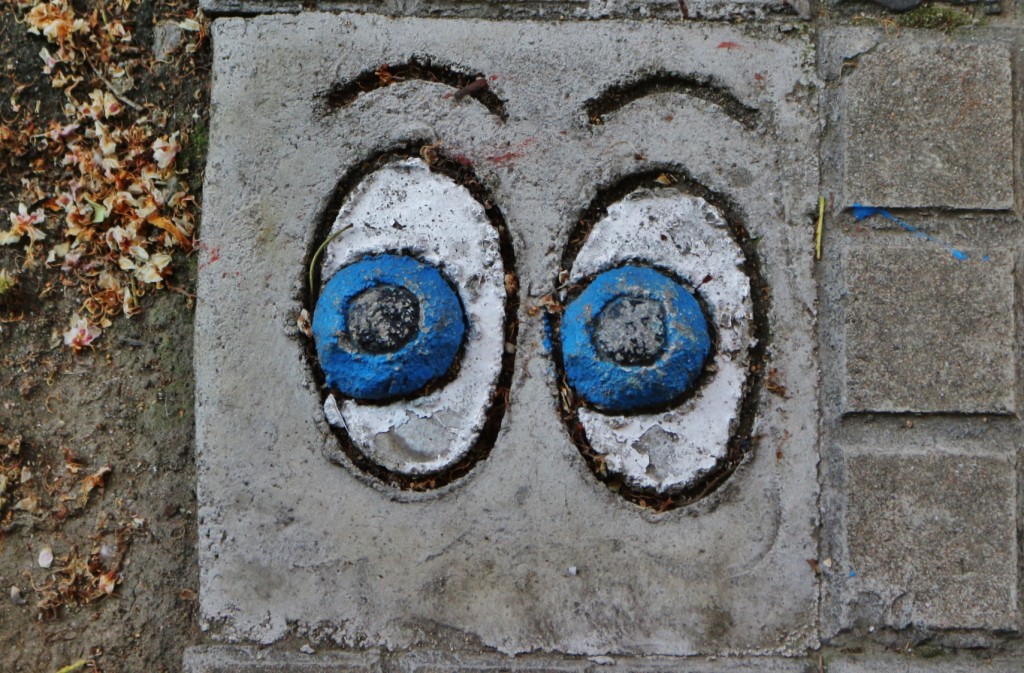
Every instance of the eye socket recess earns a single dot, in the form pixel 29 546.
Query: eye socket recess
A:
pixel 654 247
pixel 414 326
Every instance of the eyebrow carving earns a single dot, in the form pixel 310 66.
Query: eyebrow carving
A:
pixel 464 83
pixel 618 96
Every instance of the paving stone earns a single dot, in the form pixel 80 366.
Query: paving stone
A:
pixel 430 662
pixel 227 659
pixel 990 6
pixel 528 551
pixel 964 663
pixel 435 663
pixel 928 333
pixel 928 124
pixel 932 540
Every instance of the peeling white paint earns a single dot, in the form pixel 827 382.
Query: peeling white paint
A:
pixel 689 237
pixel 404 207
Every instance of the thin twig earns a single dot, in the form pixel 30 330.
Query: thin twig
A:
pixel 821 226
pixel 124 99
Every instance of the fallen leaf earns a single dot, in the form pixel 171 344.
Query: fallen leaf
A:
pixel 96 479
pixel 107 582
pixel 303 323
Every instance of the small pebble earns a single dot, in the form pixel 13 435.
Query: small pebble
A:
pixel 571 571
pixel 45 557
pixel 16 596
pixel 306 649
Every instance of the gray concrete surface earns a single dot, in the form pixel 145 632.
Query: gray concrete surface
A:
pixel 873 524
pixel 928 333
pixel 929 124
pixel 889 664
pixel 932 540
pixel 230 659
pixel 920 454
pixel 291 543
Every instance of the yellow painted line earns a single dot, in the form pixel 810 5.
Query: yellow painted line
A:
pixel 821 226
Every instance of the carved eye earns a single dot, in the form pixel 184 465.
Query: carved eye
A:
pixel 387 326
pixel 411 326
pixel 655 344
pixel 634 338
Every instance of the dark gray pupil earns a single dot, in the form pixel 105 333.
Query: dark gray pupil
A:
pixel 383 318
pixel 630 331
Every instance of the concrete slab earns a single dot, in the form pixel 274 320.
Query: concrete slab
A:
pixel 931 540
pixel 964 663
pixel 248 660
pixel 529 551
pixel 230 659
pixel 544 9
pixel 929 124
pixel 925 332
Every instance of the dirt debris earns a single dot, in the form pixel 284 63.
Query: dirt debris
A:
pixel 102 146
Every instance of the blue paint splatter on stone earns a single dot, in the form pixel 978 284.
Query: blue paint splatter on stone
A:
pixel 355 372
pixel 614 387
pixel 863 212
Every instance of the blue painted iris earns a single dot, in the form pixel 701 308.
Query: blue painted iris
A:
pixel 633 339
pixel 386 326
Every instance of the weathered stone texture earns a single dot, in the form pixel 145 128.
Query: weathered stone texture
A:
pixel 928 333
pixel 222 659
pixel 932 540
pixel 929 125
pixel 970 663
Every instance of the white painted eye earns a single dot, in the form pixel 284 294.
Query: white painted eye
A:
pixel 411 324
pixel 655 342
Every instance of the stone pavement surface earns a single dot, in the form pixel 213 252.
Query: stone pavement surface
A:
pixel 835 490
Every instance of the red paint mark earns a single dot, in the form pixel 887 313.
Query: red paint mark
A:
pixel 500 159
pixel 758 77
pixel 493 78
pixel 447 95
pixel 212 255
pixel 462 160
pixel 729 45
pixel 517 153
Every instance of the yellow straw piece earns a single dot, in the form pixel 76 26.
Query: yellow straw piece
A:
pixel 312 262
pixel 821 225
pixel 71 668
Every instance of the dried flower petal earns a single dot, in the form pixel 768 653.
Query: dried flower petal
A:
pixel 107 582
pixel 81 333
pixel 165 149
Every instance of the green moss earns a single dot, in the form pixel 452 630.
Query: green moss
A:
pixel 929 651
pixel 935 17
pixel 199 140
